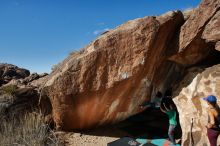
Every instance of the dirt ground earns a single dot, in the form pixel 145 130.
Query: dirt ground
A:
pixel 151 122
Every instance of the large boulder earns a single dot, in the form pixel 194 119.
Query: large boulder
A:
pixel 107 80
pixel 193 110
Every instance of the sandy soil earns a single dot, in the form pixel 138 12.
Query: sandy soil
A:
pixel 77 139
pixel 98 137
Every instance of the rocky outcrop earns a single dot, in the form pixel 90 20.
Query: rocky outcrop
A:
pixel 19 91
pixel 199 34
pixel 106 81
pixel 13 75
pixel 33 80
pixel 193 110
pixel 9 72
pixel 14 102
pixel 32 77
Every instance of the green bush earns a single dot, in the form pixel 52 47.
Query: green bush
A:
pixel 9 90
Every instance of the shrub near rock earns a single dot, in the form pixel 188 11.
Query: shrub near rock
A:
pixel 8 90
pixel 28 130
pixel 14 101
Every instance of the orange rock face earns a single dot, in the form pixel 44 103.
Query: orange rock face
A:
pixel 108 80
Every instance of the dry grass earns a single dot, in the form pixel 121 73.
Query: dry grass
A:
pixel 26 131
pixel 9 90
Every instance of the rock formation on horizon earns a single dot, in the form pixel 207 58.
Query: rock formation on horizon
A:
pixel 9 72
pixel 19 90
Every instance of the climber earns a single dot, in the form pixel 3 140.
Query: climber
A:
pixel 170 109
pixel 213 129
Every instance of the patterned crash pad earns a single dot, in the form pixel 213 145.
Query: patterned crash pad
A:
pixel 156 141
pixel 127 141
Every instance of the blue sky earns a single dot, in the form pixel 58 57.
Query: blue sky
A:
pixel 37 34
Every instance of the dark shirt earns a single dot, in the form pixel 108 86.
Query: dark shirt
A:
pixel 217 123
